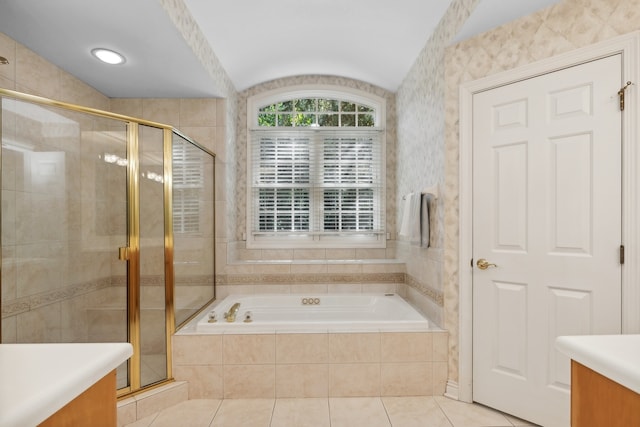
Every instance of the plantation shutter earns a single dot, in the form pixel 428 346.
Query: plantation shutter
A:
pixel 317 182
pixel 188 183
pixel 351 182
pixel 282 168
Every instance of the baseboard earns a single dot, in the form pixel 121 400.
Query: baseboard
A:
pixel 148 402
pixel 452 390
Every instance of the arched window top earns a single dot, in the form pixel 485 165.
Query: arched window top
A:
pixel 316 107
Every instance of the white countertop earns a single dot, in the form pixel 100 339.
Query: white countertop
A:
pixel 616 357
pixel 36 380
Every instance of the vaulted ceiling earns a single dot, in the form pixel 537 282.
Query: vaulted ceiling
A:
pixel 375 41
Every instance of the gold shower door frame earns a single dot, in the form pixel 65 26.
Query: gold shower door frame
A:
pixel 131 253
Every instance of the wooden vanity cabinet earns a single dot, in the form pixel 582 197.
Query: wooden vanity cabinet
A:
pixel 95 407
pixel 597 401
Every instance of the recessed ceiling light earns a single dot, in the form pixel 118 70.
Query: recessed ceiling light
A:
pixel 108 56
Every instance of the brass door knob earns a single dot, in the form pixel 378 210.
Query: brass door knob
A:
pixel 483 264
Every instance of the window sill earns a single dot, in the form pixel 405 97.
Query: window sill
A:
pixel 327 242
pixel 316 261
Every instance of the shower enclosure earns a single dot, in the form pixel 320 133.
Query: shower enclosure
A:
pixel 107 231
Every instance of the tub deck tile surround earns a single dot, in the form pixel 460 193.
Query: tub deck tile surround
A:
pixel 354 380
pixel 247 349
pixel 198 350
pixel 311 364
pixel 302 348
pixel 306 365
pixel 308 380
pixel 249 381
pixel 408 347
pixel 205 381
pixel 354 348
pixel 407 379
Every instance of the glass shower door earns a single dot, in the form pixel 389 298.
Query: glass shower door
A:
pixel 64 216
pixel 153 343
pixel 193 171
pixel 87 231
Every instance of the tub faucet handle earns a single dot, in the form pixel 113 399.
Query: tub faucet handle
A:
pixel 230 316
pixel 212 317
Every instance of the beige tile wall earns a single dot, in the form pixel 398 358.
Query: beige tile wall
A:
pixel 303 365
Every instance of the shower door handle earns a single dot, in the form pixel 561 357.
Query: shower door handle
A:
pixel 483 264
pixel 123 253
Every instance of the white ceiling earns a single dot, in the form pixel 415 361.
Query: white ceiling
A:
pixel 372 40
pixel 375 41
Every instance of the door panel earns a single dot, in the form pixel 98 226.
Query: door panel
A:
pixel 511 197
pixel 547 211
pixel 511 299
pixel 571 194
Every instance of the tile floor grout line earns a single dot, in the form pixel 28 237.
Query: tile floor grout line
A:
pixel 386 411
pixel 443 412
pixel 155 417
pixel 273 409
pixel 214 413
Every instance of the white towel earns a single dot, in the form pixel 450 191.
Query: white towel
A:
pixel 414 219
pixel 405 224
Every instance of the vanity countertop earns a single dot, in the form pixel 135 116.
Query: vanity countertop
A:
pixel 616 357
pixel 39 379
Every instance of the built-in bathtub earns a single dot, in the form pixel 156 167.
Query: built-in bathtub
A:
pixel 315 312
pixel 311 345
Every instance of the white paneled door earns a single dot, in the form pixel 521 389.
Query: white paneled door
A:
pixel 547 220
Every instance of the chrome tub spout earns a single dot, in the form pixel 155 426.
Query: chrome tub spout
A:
pixel 230 315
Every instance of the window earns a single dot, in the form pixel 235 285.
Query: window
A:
pixel 316 171
pixel 188 186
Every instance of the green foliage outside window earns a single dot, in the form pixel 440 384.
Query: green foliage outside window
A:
pixel 305 112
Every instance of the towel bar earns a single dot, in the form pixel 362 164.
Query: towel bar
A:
pixel 430 190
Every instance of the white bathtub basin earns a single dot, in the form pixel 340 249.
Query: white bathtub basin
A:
pixel 314 312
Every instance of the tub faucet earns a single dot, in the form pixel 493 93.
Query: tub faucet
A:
pixel 230 315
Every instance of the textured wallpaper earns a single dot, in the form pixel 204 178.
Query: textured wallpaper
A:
pixel 557 29
pixel 421 102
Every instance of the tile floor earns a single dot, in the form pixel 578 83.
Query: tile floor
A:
pixel 434 411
